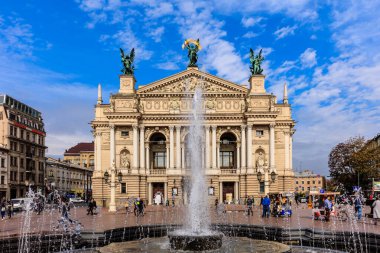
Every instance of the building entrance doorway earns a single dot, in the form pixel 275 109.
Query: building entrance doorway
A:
pixel 14 193
pixel 158 189
pixel 228 192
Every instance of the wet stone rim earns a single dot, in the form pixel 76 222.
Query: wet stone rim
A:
pixel 195 243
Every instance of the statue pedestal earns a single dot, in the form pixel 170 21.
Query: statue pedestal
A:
pixel 127 84
pixel 257 84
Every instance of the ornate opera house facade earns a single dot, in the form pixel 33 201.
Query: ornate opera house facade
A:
pixel 141 139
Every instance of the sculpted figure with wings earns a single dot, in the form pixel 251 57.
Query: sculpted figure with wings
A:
pixel 256 62
pixel 127 61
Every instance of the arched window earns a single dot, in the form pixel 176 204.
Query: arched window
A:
pixel 227 153
pixel 158 150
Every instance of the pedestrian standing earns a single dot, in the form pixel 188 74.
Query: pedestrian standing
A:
pixel 266 204
pixel 10 209
pixel 249 206
pixel 376 209
pixel 2 209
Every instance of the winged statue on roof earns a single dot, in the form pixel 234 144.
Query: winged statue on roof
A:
pixel 256 62
pixel 127 61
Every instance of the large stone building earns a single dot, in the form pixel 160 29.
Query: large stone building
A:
pixel 68 178
pixel 307 180
pixel 3 171
pixel 247 149
pixel 81 154
pixel 22 133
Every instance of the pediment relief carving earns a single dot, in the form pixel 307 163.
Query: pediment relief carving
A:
pixel 188 81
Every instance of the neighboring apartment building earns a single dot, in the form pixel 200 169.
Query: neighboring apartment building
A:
pixel 307 180
pixel 68 178
pixel 22 133
pixel 3 172
pixel 81 154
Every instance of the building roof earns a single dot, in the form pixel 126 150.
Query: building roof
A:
pixel 80 147
pixel 19 106
pixel 306 173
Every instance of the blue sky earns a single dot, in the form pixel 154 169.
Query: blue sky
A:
pixel 54 53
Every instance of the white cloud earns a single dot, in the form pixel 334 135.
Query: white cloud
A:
pixel 309 58
pixel 285 31
pixel 160 10
pixel 250 35
pixel 157 33
pixel 249 22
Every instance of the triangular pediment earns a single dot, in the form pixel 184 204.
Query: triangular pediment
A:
pixel 187 81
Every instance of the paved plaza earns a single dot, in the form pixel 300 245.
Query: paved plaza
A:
pixel 48 221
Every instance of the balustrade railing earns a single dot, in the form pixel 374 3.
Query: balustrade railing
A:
pixel 227 170
pixel 157 171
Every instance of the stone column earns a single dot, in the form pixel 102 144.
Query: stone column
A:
pixel 203 156
pixel 207 147
pixel 271 147
pixel 142 150
pixel 287 146
pixel 178 146
pixel 147 156
pixel 150 193
pixel 238 158
pixel 243 150
pixel 213 147
pixel 236 192
pixel 112 144
pixel 171 148
pixel 291 152
pixel 167 156
pixel 220 192
pixel 98 154
pixel 183 157
pixel 165 192
pixel 135 148
pixel 249 149
pixel 218 156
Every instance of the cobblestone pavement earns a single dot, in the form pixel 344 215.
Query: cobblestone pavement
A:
pixel 160 215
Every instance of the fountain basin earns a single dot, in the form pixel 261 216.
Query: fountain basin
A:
pixel 195 242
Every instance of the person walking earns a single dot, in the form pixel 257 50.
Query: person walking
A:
pixel 328 207
pixel 376 209
pixel 249 206
pixel 90 209
pixel 266 204
pixel 359 207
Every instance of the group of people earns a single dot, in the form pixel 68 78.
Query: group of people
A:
pixel 6 208
pixel 138 204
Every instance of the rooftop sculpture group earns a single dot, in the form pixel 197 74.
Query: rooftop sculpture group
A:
pixel 193 46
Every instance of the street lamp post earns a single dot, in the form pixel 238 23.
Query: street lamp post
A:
pixel 113 183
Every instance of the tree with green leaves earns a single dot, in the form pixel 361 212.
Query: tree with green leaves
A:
pixel 351 163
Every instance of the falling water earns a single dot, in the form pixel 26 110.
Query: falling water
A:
pixel 198 221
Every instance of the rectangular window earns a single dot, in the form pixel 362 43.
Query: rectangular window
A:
pixel 123 188
pixel 159 159
pixel 124 133
pixel 319 182
pixel 27 136
pixel 2 179
pixel 226 159
pixel 308 182
pixel 2 162
pixel 303 182
pixel 313 181
pixel 259 133
pixel 21 162
pixel 22 134
pixel 21 176
pixel 262 187
pixel 296 182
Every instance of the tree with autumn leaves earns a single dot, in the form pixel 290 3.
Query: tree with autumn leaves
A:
pixel 352 162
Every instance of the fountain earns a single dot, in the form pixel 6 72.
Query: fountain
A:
pixel 196 234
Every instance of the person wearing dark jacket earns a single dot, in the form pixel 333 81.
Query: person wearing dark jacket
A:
pixel 249 206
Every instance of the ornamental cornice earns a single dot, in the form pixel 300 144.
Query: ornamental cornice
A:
pixel 124 116
pixel 188 117
pixel 261 115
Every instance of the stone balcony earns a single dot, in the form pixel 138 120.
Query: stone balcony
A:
pixel 224 171
pixel 157 171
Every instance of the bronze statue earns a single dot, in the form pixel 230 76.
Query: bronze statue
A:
pixel 193 47
pixel 256 62
pixel 127 61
